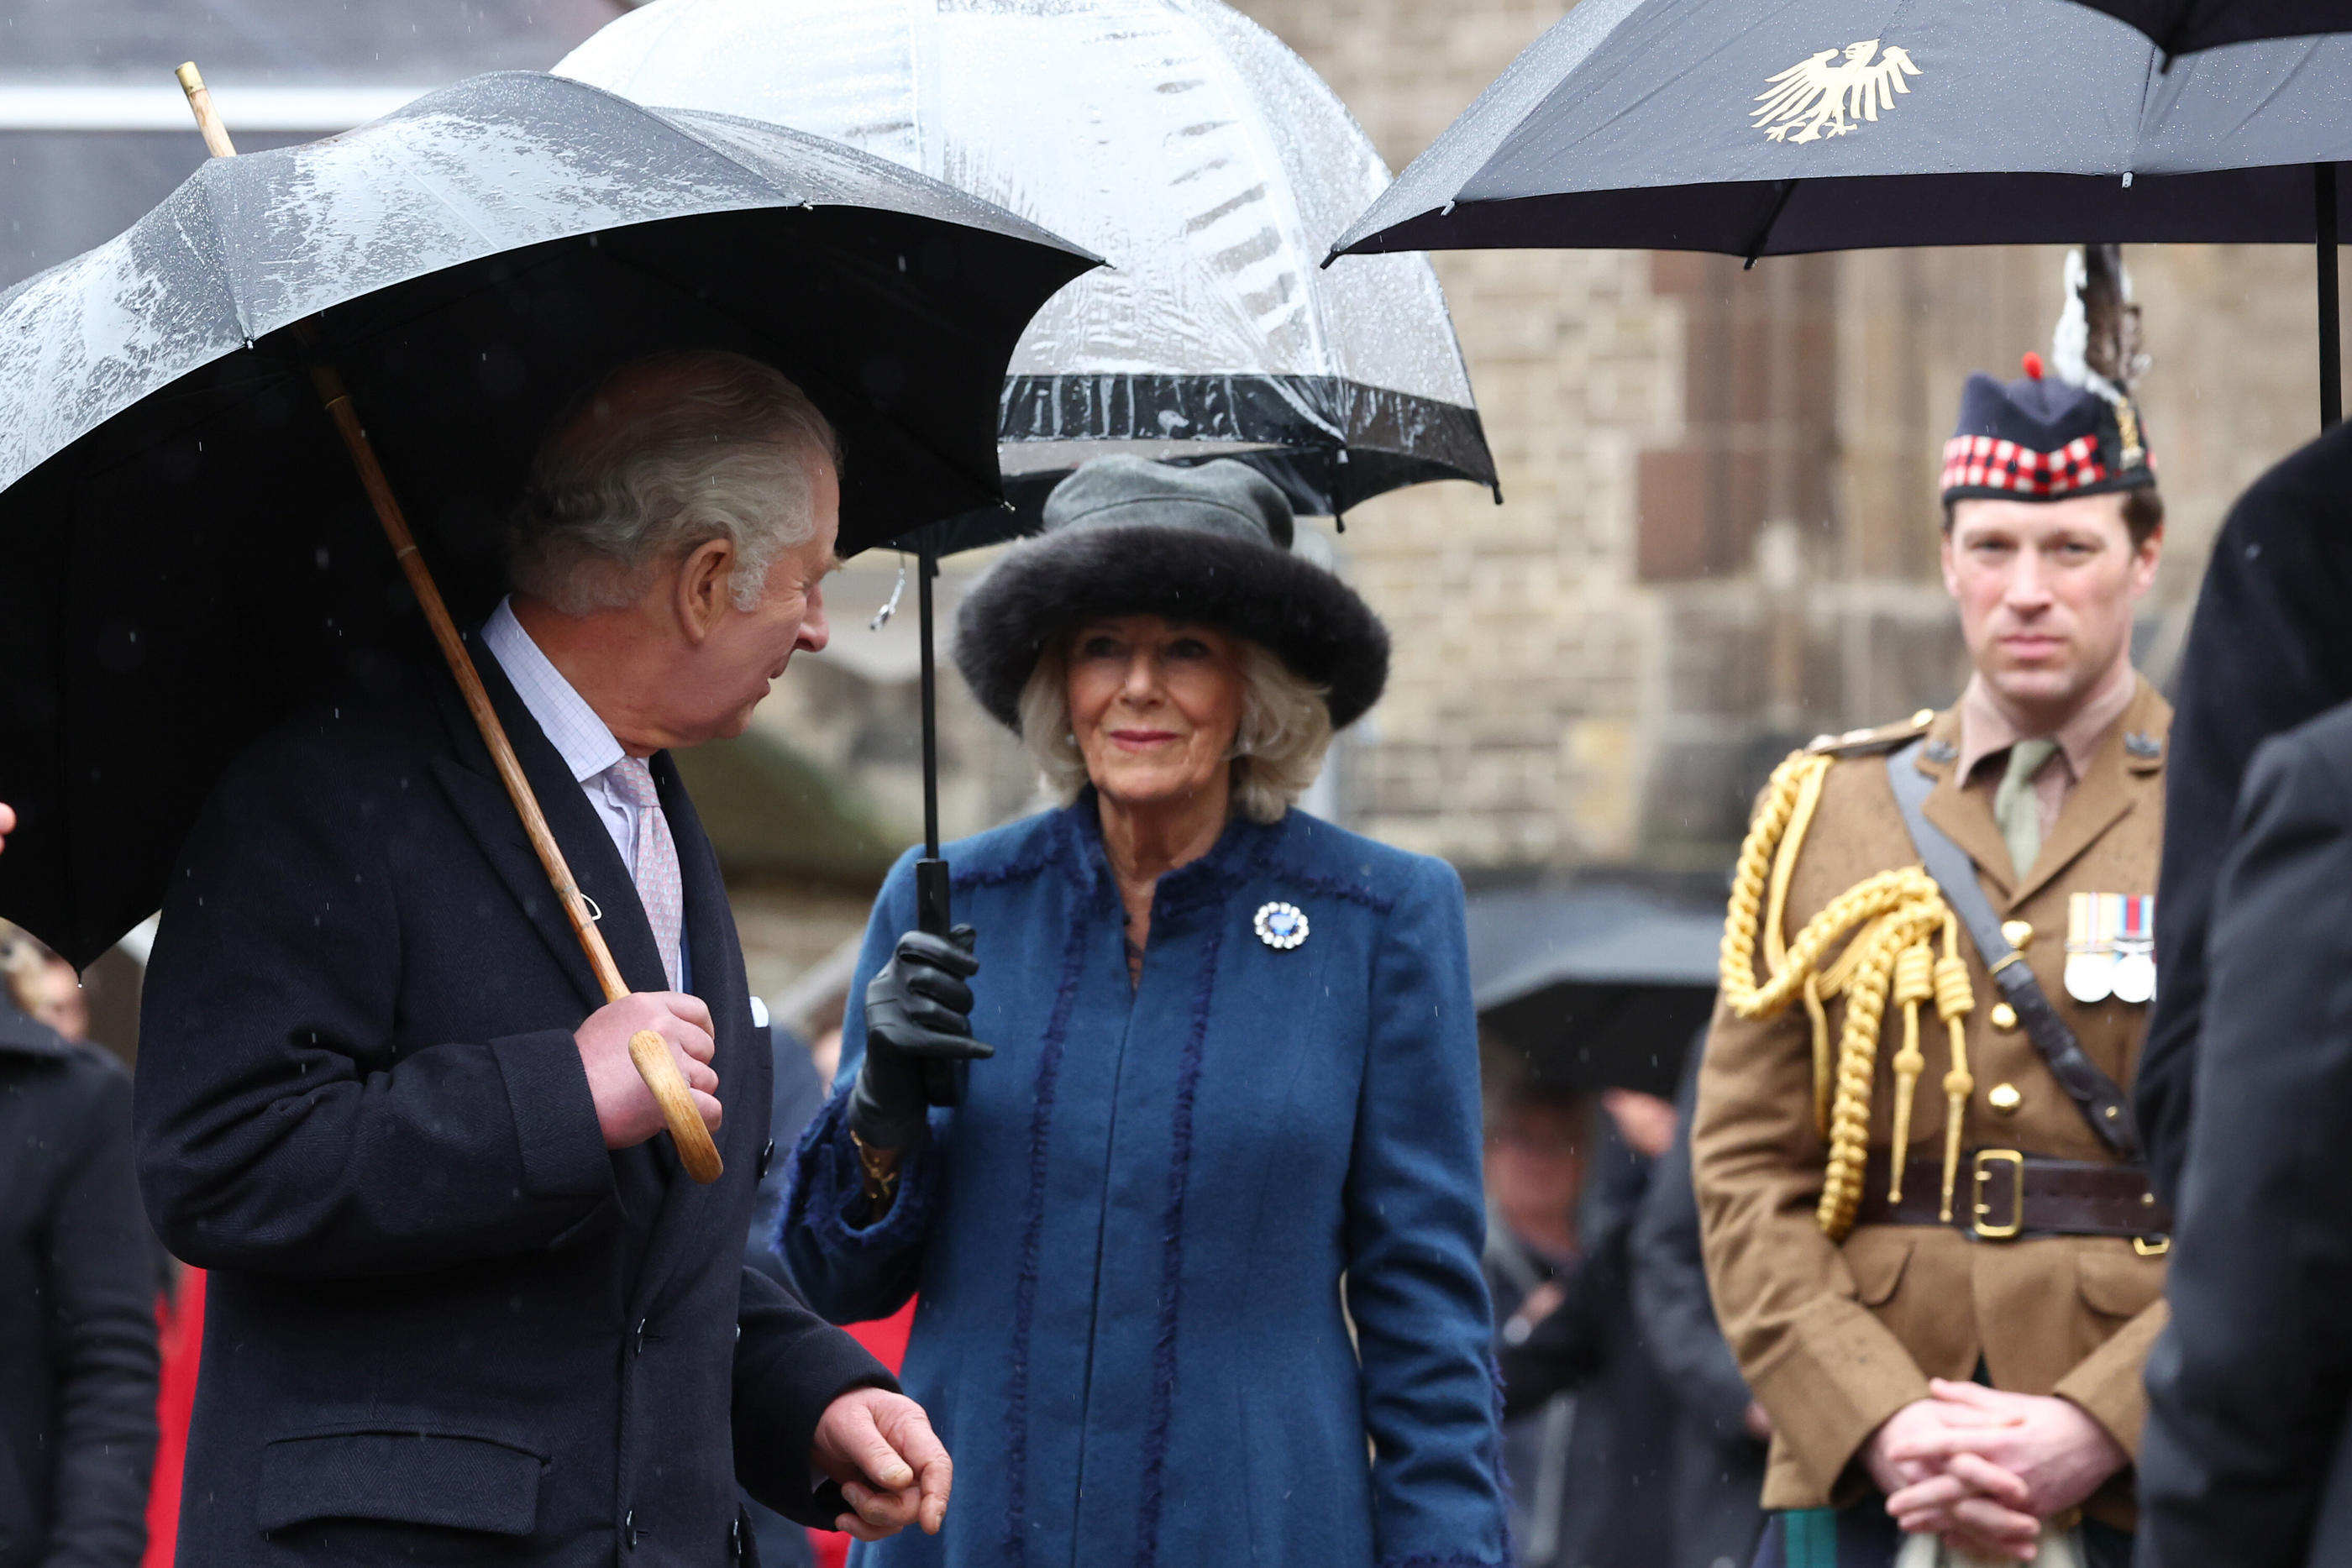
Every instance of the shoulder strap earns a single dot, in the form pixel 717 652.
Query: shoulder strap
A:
pixel 2100 1098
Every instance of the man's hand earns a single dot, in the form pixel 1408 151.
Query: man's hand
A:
pixel 880 1445
pixel 8 823
pixel 2052 1445
pixel 626 1111
pixel 1936 1485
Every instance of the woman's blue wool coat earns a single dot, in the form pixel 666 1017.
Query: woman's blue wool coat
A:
pixel 1141 1240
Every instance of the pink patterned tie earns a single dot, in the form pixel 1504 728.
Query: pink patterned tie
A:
pixel 656 872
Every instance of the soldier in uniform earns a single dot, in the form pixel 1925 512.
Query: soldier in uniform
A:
pixel 1927 1229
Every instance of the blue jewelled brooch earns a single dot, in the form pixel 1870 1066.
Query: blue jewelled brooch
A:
pixel 1281 926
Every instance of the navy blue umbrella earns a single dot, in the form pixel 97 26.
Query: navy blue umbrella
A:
pixel 1785 126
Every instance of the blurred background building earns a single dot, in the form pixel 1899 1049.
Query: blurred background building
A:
pixel 1721 520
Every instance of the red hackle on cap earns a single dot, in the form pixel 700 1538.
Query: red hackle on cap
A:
pixel 2033 366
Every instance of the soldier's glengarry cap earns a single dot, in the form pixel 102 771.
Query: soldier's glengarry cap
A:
pixel 2040 439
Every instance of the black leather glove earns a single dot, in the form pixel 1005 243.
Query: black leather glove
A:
pixel 918 1010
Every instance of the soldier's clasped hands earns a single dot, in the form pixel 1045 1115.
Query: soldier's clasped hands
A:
pixel 1982 1467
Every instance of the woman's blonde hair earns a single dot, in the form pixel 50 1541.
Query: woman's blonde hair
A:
pixel 1278 743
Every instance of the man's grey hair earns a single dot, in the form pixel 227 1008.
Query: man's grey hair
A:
pixel 728 453
pixel 1278 743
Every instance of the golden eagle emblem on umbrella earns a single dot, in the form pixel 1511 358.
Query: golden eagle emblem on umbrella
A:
pixel 1826 96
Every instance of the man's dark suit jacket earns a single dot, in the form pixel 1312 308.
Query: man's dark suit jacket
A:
pixel 444 1323
pixel 2268 649
pixel 2249 1386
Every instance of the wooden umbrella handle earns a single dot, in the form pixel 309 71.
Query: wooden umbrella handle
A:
pixel 647 1049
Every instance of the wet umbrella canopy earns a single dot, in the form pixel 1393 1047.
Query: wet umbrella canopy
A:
pixel 1183 141
pixel 188 551
pixel 1777 130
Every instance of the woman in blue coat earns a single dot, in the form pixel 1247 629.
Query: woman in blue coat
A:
pixel 1232 1108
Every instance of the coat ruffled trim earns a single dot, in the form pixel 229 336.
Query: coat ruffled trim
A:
pixel 1033 1233
pixel 828 1186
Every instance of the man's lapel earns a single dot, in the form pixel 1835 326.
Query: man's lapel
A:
pixel 2110 788
pixel 481 799
pixel 1963 815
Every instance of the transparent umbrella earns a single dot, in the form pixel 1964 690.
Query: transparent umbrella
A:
pixel 1176 138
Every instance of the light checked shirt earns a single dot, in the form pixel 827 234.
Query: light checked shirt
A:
pixel 579 736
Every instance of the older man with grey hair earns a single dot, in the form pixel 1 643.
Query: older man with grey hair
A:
pixel 465 1305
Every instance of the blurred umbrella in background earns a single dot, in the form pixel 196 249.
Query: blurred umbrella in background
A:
pixel 1757 131
pixel 1594 985
pixel 190 553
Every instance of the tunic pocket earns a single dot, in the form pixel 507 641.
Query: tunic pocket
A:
pixel 2115 1281
pixel 402 1478
pixel 1876 1256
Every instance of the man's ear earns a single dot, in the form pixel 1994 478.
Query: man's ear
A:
pixel 2145 557
pixel 705 589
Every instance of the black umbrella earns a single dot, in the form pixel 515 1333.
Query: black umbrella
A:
pixel 190 552
pixel 1595 986
pixel 2185 26
pixel 1771 129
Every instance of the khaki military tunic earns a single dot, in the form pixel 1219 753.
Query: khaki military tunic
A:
pixel 1834 1338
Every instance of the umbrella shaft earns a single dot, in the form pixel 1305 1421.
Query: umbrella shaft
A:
pixel 926 565
pixel 2331 320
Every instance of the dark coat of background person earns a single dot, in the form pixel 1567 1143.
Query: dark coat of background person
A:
pixel 78 1361
pixel 2250 1389
pixel 444 1323
pixel 2268 649
pixel 1716 1512
pixel 1589 1426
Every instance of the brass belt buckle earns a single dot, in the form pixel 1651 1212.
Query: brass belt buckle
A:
pixel 2151 1246
pixel 1980 1171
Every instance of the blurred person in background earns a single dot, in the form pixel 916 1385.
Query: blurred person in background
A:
pixel 53 996
pixel 1235 1063
pixel 1587 1430
pixel 1719 1428
pixel 78 1358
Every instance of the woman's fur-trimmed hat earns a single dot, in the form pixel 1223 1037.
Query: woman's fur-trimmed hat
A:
pixel 1209 544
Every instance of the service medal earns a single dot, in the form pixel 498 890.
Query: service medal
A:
pixel 2135 977
pixel 2090 950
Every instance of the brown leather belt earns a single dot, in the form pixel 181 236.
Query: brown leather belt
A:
pixel 2002 1194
